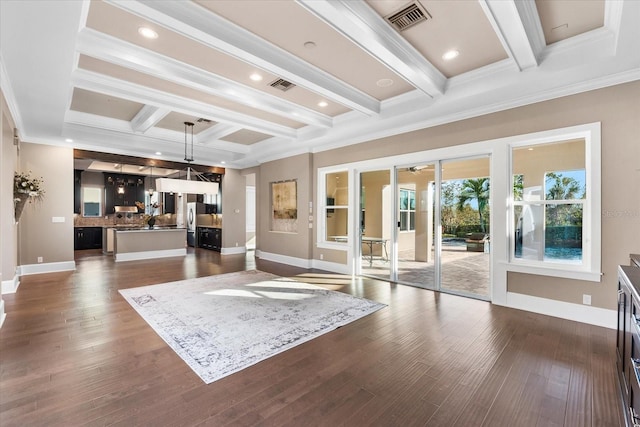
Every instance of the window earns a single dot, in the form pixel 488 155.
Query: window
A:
pixel 336 209
pixel 551 208
pixel 91 201
pixel 407 213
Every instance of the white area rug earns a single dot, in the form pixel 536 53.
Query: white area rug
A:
pixel 222 324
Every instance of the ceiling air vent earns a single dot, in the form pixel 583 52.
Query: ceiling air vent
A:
pixel 203 120
pixel 409 16
pixel 282 84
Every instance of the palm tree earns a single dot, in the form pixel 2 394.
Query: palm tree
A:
pixel 562 188
pixel 475 189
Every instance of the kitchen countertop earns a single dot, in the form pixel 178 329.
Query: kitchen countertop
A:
pixel 161 228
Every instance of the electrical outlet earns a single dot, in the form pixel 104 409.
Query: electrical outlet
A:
pixel 321 256
pixel 40 259
pixel 586 299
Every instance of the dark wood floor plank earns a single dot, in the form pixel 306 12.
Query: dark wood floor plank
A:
pixel 73 352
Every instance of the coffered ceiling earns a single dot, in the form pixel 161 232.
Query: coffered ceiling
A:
pixel 266 79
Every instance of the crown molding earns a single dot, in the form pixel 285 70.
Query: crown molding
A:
pixel 10 99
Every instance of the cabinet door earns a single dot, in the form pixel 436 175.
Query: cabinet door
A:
pixel 77 188
pixel 169 204
pixel 622 316
pixel 77 240
pixel 217 239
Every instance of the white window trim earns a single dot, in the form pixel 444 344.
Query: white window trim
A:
pixel 400 210
pixel 100 201
pixel 499 150
pixel 321 242
pixel 590 269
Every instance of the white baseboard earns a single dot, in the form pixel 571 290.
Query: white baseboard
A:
pixel 334 267
pixel 3 315
pixel 233 250
pixel 49 267
pixel 284 259
pixel 134 256
pixel 564 310
pixel 10 286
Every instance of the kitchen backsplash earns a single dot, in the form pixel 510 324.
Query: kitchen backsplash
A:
pixel 124 219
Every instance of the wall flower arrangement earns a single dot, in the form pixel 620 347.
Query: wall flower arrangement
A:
pixel 26 189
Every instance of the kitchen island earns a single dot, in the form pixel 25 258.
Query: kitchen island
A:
pixel 149 243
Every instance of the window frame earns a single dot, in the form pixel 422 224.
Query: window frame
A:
pixel 100 200
pixel 323 207
pixel 590 268
pixel 411 228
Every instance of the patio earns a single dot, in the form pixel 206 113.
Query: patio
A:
pixel 462 271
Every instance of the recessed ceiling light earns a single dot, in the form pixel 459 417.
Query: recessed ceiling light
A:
pixel 255 77
pixel 450 54
pixel 147 33
pixel 223 162
pixel 384 82
pixel 323 104
pixel 158 153
pixel 309 45
pixel 68 140
pixel 530 149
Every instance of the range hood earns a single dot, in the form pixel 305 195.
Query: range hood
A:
pixel 129 209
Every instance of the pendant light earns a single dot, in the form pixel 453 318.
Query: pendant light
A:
pixel 121 186
pixel 171 185
pixel 151 190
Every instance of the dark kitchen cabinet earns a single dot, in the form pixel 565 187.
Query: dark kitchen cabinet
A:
pixel 628 339
pixel 169 203
pixel 210 238
pixel 87 238
pixel 77 189
pixel 133 186
pixel 212 202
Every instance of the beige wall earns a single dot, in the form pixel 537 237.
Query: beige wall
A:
pixel 8 164
pixel 297 244
pixel 233 206
pixel 617 108
pixel 38 236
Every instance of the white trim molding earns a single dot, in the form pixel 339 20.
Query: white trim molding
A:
pixel 564 310
pixel 284 259
pixel 234 250
pixel 133 256
pixel 49 267
pixel 3 315
pixel 333 267
pixel 10 286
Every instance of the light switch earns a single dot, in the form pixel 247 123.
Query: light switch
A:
pixel 57 219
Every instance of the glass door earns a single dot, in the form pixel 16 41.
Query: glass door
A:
pixel 415 190
pixel 465 225
pixel 376 234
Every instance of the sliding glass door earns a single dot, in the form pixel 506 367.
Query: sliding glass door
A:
pixel 375 233
pixel 428 225
pixel 415 189
pixel 465 191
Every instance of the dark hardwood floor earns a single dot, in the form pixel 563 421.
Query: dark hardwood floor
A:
pixel 73 352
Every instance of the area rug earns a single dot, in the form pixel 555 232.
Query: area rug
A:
pixel 222 324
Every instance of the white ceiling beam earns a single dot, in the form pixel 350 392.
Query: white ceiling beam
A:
pixel 358 22
pixel 148 117
pixel 106 48
pixel 216 132
pixel 517 25
pixel 91 81
pixel 197 23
